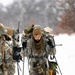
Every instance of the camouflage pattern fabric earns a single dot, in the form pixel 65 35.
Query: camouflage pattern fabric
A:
pixel 10 62
pixel 9 68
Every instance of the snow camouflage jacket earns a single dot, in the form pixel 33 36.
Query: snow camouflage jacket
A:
pixel 46 47
pixel 7 66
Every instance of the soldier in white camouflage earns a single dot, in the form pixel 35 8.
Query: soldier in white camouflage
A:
pixel 37 51
pixel 7 65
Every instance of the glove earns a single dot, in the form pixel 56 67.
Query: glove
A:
pixel 17 57
pixel 24 45
pixel 52 57
pixel 51 46
pixel 50 43
pixel 16 49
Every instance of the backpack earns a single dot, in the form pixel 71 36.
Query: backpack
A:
pixel 28 34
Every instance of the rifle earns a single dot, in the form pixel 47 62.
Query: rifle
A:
pixel 16 48
pixel 18 31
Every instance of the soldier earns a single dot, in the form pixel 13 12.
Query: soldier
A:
pixel 38 49
pixel 7 66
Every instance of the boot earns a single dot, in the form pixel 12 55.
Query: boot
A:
pixel 51 72
pixel 54 73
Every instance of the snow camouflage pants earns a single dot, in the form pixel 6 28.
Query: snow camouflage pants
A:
pixel 38 66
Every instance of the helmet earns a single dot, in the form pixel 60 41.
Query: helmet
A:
pixel 37 30
pixel 38 26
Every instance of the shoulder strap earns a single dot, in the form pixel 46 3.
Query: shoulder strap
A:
pixel 45 44
pixel 3 56
pixel 31 45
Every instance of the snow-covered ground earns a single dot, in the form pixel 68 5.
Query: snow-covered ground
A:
pixel 65 55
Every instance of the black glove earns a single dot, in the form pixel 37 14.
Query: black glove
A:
pixel 16 49
pixel 50 43
pixel 17 57
pixel 16 53
pixel 52 57
pixel 24 45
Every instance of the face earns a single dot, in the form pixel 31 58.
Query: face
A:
pixel 37 37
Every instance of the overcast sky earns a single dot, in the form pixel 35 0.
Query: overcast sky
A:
pixel 6 2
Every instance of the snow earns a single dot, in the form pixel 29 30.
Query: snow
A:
pixel 26 71
pixel 65 55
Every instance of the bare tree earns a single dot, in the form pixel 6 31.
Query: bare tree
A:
pixel 67 25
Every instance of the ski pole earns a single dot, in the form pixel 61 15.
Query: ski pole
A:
pixel 58 66
pixel 18 68
pixel 23 64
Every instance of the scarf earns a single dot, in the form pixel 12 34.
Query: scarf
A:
pixel 38 45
